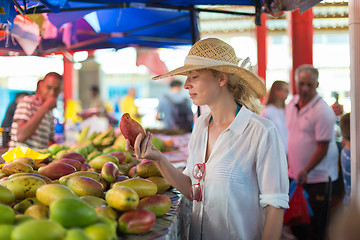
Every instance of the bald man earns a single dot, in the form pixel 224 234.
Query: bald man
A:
pixel 33 124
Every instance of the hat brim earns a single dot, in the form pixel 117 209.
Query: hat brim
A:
pixel 251 79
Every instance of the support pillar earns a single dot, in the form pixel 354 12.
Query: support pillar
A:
pixel 301 34
pixel 261 32
pixel 354 36
pixel 68 80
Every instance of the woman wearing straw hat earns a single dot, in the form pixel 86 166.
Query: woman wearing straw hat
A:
pixel 236 173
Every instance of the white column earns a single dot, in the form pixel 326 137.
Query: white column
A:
pixel 354 36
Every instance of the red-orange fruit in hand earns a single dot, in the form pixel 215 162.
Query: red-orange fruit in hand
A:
pixel 130 128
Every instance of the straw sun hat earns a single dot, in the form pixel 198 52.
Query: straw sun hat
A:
pixel 213 53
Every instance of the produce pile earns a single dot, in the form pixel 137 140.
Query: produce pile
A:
pixel 91 190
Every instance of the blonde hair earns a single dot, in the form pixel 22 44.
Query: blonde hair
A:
pixel 242 93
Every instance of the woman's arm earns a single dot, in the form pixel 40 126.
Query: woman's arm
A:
pixel 145 150
pixel 273 223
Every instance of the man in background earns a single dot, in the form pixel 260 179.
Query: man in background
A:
pixel 127 105
pixel 312 151
pixel 96 101
pixel 33 124
pixel 174 109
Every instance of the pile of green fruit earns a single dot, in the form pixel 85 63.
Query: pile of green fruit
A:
pixel 93 190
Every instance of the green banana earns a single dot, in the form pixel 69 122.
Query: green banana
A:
pixel 83 134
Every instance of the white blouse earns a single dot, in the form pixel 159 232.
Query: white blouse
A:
pixel 246 171
pixel 277 115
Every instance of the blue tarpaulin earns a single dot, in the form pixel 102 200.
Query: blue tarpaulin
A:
pixel 117 24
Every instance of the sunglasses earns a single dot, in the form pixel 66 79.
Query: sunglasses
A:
pixel 198 173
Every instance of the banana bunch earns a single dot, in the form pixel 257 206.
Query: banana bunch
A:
pixel 104 139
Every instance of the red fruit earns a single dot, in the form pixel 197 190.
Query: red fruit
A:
pixel 121 156
pixel 159 204
pixel 75 163
pixel 74 155
pixel 56 170
pixel 85 166
pixel 130 128
pixel 136 221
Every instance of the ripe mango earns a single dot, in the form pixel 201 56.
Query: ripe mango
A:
pixel 25 204
pixel 119 179
pixel 16 167
pixel 93 201
pixel 106 211
pixel 122 198
pixel 6 196
pixel 99 161
pixel 130 128
pixel 121 156
pixel 100 231
pixel 132 172
pixel 50 192
pixel 5 231
pixel 93 155
pixel 85 166
pixel 23 186
pixel 109 222
pixel 94 175
pixel 75 163
pixel 84 186
pixel 26 160
pixel 124 167
pixel 136 221
pixel 56 170
pixel 46 179
pixel 72 212
pixel 36 229
pixel 160 182
pixel 75 156
pixel 7 214
pixel 37 211
pixel 143 187
pixel 147 168
pixel 110 172
pixel 76 234
pixel 158 204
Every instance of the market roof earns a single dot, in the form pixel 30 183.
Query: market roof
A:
pixel 94 24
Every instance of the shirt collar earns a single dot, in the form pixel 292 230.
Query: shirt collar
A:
pixel 238 125
pixel 312 103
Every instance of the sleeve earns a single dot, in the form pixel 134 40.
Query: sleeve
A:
pixel 22 111
pixel 324 124
pixel 271 169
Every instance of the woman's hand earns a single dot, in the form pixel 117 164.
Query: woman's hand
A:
pixel 144 149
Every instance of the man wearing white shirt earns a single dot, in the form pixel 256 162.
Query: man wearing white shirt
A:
pixel 312 151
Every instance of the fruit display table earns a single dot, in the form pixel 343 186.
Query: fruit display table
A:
pixel 175 224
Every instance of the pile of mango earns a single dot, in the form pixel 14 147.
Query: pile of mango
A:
pixel 88 191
